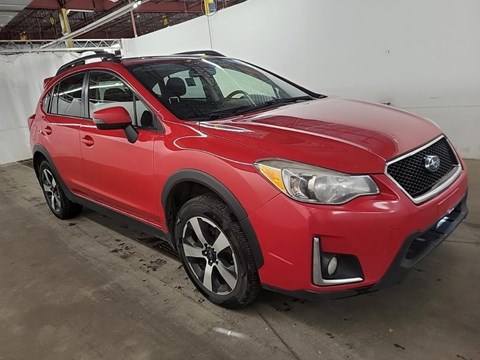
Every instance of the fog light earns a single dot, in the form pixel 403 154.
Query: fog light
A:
pixel 332 266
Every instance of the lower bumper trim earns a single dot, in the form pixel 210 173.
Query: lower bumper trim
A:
pixel 324 295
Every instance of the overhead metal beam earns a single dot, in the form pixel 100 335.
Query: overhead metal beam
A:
pixel 106 19
pixel 99 5
pixel 105 5
pixel 9 47
pixel 45 24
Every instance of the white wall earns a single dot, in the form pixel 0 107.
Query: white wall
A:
pixel 21 83
pixel 422 56
pixel 170 40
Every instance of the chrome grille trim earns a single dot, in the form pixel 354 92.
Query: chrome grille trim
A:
pixel 441 185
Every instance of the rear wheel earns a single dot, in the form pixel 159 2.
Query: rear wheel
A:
pixel 58 203
pixel 215 252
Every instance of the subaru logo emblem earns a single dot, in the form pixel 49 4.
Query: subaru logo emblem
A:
pixel 432 162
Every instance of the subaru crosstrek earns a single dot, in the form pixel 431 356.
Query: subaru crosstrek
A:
pixel 254 180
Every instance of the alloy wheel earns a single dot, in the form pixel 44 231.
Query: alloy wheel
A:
pixel 209 255
pixel 51 190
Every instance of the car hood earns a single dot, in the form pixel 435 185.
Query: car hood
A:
pixel 345 135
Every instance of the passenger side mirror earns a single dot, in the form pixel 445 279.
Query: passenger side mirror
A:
pixel 114 118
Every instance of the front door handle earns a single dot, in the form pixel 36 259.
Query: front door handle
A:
pixel 48 130
pixel 88 140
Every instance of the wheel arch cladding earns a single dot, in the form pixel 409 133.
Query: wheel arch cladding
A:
pixel 38 157
pixel 213 185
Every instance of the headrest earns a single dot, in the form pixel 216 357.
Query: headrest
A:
pixel 147 119
pixel 176 86
pixel 117 94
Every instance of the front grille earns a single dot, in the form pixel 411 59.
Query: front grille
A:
pixel 412 175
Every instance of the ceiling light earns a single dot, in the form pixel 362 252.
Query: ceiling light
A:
pixel 82 10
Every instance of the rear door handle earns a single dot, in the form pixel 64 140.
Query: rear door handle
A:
pixel 88 140
pixel 48 130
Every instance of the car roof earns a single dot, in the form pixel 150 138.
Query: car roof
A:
pixel 105 56
pixel 150 59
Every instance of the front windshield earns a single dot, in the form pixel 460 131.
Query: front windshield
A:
pixel 212 88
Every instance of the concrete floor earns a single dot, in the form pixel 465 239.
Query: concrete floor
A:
pixel 92 289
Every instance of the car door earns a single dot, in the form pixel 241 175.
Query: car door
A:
pixel 63 113
pixel 118 173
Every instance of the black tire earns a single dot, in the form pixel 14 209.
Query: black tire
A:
pixel 234 280
pixel 55 197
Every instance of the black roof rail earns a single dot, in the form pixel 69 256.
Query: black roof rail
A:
pixel 201 52
pixel 81 61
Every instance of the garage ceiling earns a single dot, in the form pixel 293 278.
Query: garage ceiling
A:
pixel 9 9
pixel 39 19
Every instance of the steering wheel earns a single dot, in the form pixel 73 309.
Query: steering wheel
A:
pixel 237 92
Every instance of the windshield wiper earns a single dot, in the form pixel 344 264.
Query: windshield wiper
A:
pixel 217 114
pixel 287 100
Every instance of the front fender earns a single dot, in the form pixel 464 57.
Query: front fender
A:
pixel 219 189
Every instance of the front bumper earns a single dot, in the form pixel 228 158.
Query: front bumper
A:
pixel 414 249
pixel 388 234
pixel 420 244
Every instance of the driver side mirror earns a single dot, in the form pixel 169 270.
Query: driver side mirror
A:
pixel 115 118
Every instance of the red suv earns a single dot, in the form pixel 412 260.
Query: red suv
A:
pixel 254 180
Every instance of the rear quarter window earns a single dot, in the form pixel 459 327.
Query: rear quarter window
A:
pixel 46 102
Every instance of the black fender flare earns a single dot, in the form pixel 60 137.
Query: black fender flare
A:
pixel 210 182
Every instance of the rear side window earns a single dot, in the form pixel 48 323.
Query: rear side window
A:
pixel 46 102
pixel 67 97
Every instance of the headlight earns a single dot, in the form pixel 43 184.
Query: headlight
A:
pixel 314 184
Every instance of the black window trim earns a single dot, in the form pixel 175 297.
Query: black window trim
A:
pixel 158 125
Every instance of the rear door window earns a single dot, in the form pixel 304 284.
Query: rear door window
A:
pixel 67 97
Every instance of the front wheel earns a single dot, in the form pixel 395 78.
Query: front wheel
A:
pixel 215 252
pixel 55 197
